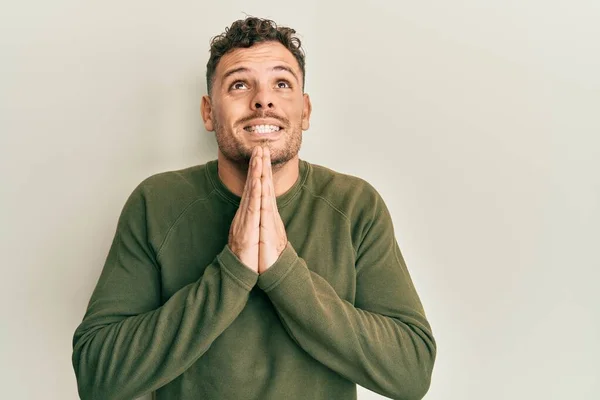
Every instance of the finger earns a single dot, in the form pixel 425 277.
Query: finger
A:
pixel 269 173
pixel 266 206
pixel 253 214
pixel 250 207
pixel 243 207
pixel 239 215
pixel 259 167
pixel 247 185
pixel 256 174
pixel 275 219
pixel 246 189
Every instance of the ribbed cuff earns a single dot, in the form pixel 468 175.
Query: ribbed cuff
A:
pixel 279 270
pixel 236 269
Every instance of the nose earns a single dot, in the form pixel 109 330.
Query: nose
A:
pixel 262 99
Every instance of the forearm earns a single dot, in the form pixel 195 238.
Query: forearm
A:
pixel 118 356
pixel 391 354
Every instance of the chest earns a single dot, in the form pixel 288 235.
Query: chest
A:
pixel 320 237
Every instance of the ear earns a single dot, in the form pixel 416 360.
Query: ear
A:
pixel 207 115
pixel 306 111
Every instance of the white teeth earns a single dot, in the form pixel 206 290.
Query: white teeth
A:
pixel 263 128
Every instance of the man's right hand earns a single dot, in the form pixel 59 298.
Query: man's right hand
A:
pixel 244 233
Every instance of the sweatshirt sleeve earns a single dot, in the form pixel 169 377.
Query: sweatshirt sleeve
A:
pixel 130 343
pixel 383 342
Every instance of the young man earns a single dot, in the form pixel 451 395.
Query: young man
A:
pixel 257 275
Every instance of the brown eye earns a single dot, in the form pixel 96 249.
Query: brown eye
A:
pixel 283 85
pixel 238 85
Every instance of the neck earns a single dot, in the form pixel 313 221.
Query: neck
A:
pixel 234 175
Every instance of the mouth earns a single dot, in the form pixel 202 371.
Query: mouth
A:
pixel 263 129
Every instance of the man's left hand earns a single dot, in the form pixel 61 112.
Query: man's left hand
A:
pixel 273 238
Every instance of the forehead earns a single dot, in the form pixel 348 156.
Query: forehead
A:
pixel 259 57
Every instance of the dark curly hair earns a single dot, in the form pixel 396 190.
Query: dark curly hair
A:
pixel 244 34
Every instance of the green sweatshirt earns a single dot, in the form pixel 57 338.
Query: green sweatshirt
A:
pixel 176 313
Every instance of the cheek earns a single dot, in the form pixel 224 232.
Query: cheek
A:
pixel 232 112
pixel 294 106
pixel 222 116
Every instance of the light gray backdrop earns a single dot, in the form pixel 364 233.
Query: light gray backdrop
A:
pixel 478 121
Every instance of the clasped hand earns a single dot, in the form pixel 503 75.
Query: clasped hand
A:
pixel 257 235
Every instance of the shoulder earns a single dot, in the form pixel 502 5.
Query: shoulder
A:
pixel 161 198
pixel 175 188
pixel 188 181
pixel 350 194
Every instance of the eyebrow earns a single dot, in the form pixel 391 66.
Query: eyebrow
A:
pixel 244 69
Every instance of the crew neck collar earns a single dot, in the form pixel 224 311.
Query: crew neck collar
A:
pixel 212 172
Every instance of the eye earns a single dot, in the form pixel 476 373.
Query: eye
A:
pixel 238 85
pixel 285 84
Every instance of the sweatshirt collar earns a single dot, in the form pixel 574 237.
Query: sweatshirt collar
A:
pixel 212 173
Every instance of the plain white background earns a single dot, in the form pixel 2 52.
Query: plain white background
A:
pixel 478 122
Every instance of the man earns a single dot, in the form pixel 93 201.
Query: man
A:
pixel 257 275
